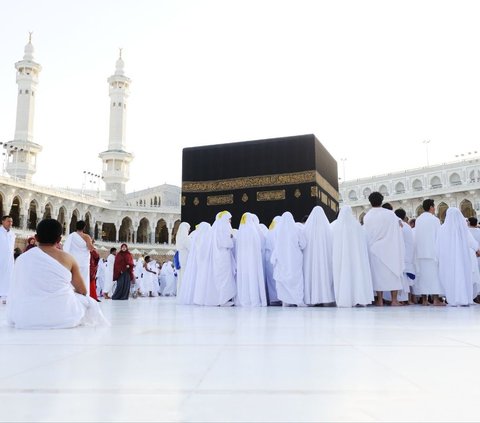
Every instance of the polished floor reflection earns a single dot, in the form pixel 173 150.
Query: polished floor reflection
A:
pixel 162 362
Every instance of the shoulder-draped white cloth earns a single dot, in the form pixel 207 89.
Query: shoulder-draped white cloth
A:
pixel 77 247
pixel 287 261
pixel 43 297
pixel 249 260
pixel 456 249
pixel 317 259
pixel 386 249
pixel 351 268
pixel 7 244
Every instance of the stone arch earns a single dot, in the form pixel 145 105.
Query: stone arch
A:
pixel 88 223
pixel 62 212
pixel 417 185
pixel 73 222
pixel 442 211
pixel 2 201
pixel 32 215
pixel 383 190
pixel 175 230
pixel 399 188
pixel 366 192
pixel 47 213
pixel 109 232
pixel 161 232
pixel 352 195
pixel 419 210
pixel 125 232
pixel 144 231
pixel 15 210
pixel 455 179
pixel 436 182
pixel 466 207
pixel 360 218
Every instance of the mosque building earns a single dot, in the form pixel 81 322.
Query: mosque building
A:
pixel 148 219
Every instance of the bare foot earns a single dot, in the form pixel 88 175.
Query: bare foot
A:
pixel 439 303
pixel 379 303
pixel 425 303
pixel 411 303
pixel 396 304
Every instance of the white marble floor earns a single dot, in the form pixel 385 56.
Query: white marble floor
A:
pixel 162 362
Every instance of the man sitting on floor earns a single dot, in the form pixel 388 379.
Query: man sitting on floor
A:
pixel 48 291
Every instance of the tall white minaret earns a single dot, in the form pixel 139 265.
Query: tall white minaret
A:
pixel 116 160
pixel 22 151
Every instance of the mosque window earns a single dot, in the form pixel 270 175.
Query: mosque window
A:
pixel 26 91
pixel 20 92
pixel 119 104
pixel 114 104
pixel 33 93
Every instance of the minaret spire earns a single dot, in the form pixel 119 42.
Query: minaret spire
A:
pixel 22 151
pixel 116 159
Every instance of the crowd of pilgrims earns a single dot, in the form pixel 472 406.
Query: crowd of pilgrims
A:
pixel 386 260
pixel 341 263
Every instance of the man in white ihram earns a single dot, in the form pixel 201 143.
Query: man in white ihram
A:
pixel 7 244
pixel 48 291
pixel 386 249
pixel 427 280
pixel 79 244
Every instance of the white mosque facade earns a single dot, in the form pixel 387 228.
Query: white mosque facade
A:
pixel 148 219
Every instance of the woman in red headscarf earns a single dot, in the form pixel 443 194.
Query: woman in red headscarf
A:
pixel 94 259
pixel 30 243
pixel 123 273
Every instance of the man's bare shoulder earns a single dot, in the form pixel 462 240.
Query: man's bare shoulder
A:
pixel 62 257
pixel 85 236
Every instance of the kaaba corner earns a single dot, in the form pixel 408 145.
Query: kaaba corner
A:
pixel 266 177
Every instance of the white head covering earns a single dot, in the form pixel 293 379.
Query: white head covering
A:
pixel 455 247
pixel 350 263
pixel 317 259
pixel 250 274
pixel 182 240
pixel 287 260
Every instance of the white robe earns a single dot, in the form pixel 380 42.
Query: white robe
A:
pixel 270 240
pixel 100 276
pixel 108 287
pixel 317 259
pixel 7 245
pixel 183 246
pixel 386 249
pixel 150 280
pixel 77 247
pixel 476 235
pixel 249 261
pixel 43 297
pixel 186 290
pixel 215 284
pixel 170 278
pixel 352 278
pixel 427 280
pixel 287 261
pixel 456 247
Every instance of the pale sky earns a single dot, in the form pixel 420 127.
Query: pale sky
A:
pixel 371 79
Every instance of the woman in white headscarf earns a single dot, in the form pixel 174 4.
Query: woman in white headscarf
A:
pixel 456 251
pixel 250 275
pixel 317 259
pixel 183 246
pixel 270 240
pixel 218 282
pixel 287 260
pixel 352 279
pixel 186 290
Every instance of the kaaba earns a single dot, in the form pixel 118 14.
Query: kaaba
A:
pixel 266 177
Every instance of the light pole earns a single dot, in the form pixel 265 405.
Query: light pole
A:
pixel 426 142
pixel 343 160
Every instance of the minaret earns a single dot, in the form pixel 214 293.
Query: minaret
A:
pixel 22 151
pixel 116 160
